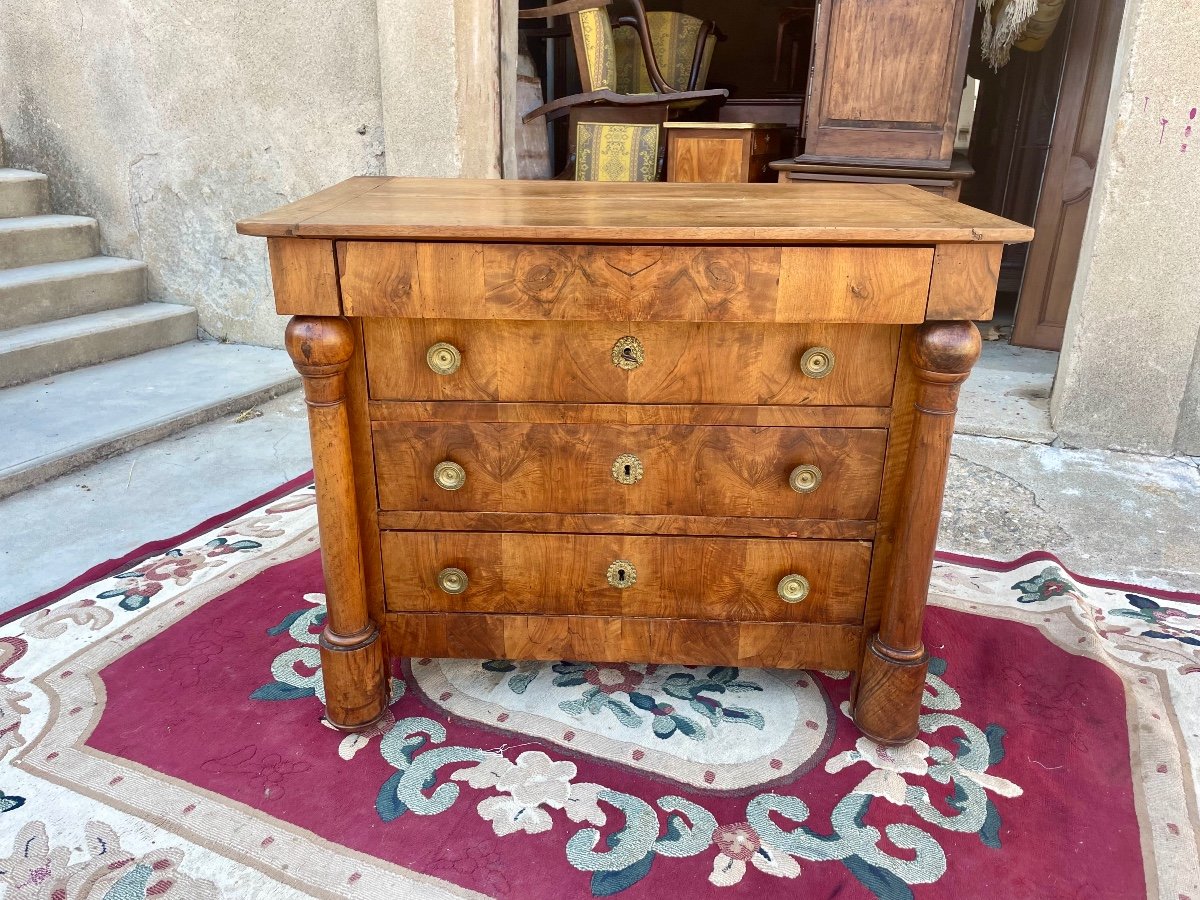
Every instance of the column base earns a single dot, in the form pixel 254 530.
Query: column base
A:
pixel 887 702
pixel 356 681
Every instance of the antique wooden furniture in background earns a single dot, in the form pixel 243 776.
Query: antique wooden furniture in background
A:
pixel 787 111
pixel 700 424
pixel 794 35
pixel 683 48
pixel 722 151
pixel 887 81
pixel 613 153
pixel 946 183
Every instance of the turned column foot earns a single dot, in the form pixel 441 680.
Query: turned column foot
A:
pixel 356 682
pixel 353 665
pixel 891 682
pixel 888 698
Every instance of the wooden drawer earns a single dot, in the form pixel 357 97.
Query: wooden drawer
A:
pixel 681 362
pixel 703 470
pixel 720 579
pixel 582 282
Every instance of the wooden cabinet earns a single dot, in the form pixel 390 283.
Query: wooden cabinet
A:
pixel 722 151
pixel 701 424
pixel 887 80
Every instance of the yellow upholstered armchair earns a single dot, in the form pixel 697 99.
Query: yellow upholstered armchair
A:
pixel 683 48
pixel 615 133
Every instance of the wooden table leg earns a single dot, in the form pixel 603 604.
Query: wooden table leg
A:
pixel 352 661
pixel 892 680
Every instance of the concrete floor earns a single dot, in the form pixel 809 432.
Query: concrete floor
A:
pixel 1109 515
pixel 54 531
pixel 1008 394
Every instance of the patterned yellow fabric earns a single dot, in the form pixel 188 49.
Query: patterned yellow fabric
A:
pixel 609 151
pixel 673 36
pixel 596 34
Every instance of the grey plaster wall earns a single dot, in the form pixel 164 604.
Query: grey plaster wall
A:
pixel 169 120
pixel 1129 375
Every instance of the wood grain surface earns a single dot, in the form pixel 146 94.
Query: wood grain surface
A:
pixel 630 414
pixel 687 470
pixel 592 282
pixel 444 209
pixel 717 579
pixel 774 645
pixel 684 363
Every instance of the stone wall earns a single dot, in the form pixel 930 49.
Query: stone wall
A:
pixel 1129 376
pixel 168 121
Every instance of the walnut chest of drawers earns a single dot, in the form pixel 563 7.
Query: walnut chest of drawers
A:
pixel 701 424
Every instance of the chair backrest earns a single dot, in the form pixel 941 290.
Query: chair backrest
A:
pixel 673 36
pixel 595 49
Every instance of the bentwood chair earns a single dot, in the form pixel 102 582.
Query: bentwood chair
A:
pixel 612 133
pixel 683 49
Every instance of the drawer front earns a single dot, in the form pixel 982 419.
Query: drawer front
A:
pixel 705 470
pixel 729 579
pixel 591 362
pixel 639 283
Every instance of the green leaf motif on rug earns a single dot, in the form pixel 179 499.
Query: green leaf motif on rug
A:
pixel 532 792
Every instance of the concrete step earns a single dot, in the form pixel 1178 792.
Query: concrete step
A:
pixel 37 351
pixel 59 290
pixel 54 426
pixel 23 193
pixel 31 240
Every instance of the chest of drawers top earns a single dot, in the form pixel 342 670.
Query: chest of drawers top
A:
pixel 521 250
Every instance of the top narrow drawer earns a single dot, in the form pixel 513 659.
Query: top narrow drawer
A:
pixel 882 285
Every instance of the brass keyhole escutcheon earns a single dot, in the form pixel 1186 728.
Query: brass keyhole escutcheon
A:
pixel 627 469
pixel 628 353
pixel 805 479
pixel 622 574
pixel 449 476
pixel 443 358
pixel 452 580
pixel 817 362
pixel 792 588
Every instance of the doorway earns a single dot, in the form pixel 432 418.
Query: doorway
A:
pixel 1037 136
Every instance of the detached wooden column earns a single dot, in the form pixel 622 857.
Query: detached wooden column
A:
pixel 352 661
pixel 892 679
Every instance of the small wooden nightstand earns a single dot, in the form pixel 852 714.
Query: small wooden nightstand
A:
pixel 698 424
pixel 722 151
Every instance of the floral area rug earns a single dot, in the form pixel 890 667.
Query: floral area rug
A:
pixel 161 736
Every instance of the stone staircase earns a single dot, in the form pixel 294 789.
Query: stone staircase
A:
pixel 88 366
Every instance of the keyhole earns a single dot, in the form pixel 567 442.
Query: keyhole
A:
pixel 628 470
pixel 628 353
pixel 620 574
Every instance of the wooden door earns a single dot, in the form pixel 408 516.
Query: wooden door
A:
pixel 887 81
pixel 1093 28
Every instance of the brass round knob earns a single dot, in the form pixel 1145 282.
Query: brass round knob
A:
pixel 443 358
pixel 628 353
pixel 817 362
pixel 627 469
pixel 792 588
pixel 622 574
pixel 449 476
pixel 452 580
pixel 805 479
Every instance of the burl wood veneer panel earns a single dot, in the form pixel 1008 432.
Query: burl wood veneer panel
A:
pixel 686 470
pixel 551 361
pixel 720 579
pixel 474 636
pixel 639 283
